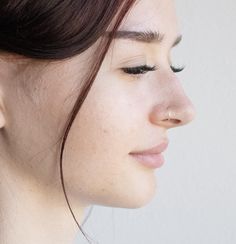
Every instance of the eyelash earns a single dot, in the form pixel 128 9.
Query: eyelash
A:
pixel 145 68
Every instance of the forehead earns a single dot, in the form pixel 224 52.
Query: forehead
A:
pixel 156 15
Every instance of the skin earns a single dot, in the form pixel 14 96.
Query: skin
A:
pixel 121 113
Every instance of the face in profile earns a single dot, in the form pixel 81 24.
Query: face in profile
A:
pixel 125 111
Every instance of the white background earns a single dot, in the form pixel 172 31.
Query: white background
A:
pixel 195 202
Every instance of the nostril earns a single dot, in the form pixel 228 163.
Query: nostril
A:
pixel 173 121
pixel 176 121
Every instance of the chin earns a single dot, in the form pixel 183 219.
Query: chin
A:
pixel 131 200
pixel 140 200
pixel 141 195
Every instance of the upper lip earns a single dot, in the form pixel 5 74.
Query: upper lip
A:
pixel 154 150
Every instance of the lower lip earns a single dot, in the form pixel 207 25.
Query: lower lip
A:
pixel 150 160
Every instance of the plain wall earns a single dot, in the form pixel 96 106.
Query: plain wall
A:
pixel 195 202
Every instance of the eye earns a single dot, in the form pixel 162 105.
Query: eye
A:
pixel 176 70
pixel 139 69
pixel 145 68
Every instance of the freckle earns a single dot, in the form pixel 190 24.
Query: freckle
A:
pixel 105 131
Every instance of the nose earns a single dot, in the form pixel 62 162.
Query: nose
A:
pixel 176 110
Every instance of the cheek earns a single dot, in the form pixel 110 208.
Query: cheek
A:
pixel 98 135
pixel 97 165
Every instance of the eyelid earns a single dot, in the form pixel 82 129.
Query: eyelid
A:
pixel 135 61
pixel 139 70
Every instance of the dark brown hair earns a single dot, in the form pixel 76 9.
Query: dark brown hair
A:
pixel 59 29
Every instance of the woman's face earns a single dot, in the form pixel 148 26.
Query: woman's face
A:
pixel 122 113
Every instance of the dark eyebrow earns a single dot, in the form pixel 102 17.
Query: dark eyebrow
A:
pixel 144 36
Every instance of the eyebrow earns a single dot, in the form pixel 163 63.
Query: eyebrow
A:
pixel 145 36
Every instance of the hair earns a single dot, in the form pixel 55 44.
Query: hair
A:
pixel 57 30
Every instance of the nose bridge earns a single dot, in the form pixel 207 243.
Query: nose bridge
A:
pixel 176 108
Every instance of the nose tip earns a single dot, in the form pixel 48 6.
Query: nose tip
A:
pixel 191 113
pixel 184 116
pixel 174 116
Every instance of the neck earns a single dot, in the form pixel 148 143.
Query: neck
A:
pixel 30 215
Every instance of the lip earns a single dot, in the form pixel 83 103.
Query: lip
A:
pixel 154 150
pixel 151 158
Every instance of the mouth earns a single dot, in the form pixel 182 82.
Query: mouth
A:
pixel 154 150
pixel 151 161
pixel 152 157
